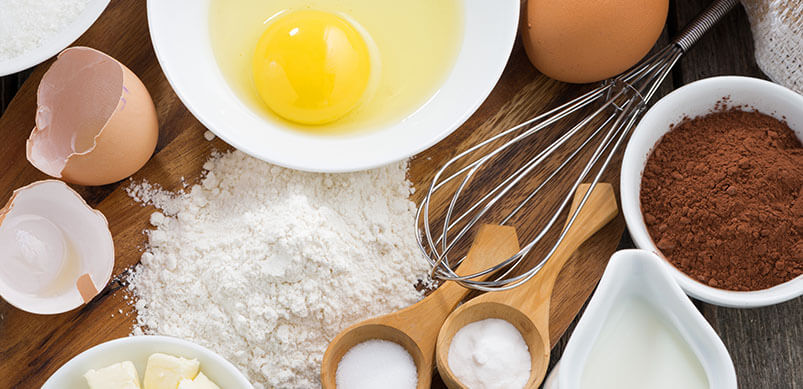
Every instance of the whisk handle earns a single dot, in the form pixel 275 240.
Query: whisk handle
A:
pixel 703 22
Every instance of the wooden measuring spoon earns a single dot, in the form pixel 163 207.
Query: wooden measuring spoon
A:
pixel 527 306
pixel 416 327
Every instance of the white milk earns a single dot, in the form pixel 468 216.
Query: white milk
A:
pixel 638 349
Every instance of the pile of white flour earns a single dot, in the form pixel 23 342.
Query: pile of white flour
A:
pixel 265 265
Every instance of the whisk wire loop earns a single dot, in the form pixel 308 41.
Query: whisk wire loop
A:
pixel 620 102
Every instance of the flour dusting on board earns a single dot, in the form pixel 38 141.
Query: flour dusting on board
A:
pixel 265 265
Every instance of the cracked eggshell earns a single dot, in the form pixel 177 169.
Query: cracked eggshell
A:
pixel 57 252
pixel 95 120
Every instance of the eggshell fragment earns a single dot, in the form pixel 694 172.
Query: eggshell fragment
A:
pixel 583 41
pixel 95 120
pixel 57 252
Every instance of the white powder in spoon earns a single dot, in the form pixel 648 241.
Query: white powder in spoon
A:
pixel 490 354
pixel 265 265
pixel 377 364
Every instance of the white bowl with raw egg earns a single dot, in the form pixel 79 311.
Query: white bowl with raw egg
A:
pixel 332 86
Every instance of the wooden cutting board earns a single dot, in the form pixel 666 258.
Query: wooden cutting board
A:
pixel 32 347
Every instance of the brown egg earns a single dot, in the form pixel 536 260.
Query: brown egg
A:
pixel 95 121
pixel 582 41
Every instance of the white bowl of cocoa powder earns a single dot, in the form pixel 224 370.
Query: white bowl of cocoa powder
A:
pixel 712 180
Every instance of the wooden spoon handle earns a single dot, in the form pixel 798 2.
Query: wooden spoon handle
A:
pixel 493 244
pixel 599 210
pixel 423 320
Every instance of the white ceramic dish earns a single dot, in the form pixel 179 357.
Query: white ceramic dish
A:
pixel 641 274
pixel 137 349
pixel 54 44
pixel 699 98
pixel 180 34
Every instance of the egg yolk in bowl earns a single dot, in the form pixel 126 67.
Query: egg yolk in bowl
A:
pixel 335 68
pixel 311 67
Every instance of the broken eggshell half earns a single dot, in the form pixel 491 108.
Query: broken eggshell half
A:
pixel 57 252
pixel 95 120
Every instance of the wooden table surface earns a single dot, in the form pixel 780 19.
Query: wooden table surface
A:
pixel 766 344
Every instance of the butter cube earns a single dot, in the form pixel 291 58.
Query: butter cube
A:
pixel 166 371
pixel 121 375
pixel 200 382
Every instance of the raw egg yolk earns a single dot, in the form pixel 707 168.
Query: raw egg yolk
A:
pixel 311 67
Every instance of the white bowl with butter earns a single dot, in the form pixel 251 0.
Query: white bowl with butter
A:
pixel 137 349
pixel 180 31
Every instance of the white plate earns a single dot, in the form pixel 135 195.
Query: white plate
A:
pixel 57 42
pixel 180 34
pixel 695 99
pixel 137 349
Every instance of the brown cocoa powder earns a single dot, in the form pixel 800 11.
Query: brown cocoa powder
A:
pixel 722 198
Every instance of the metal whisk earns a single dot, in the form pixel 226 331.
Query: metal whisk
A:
pixel 621 101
